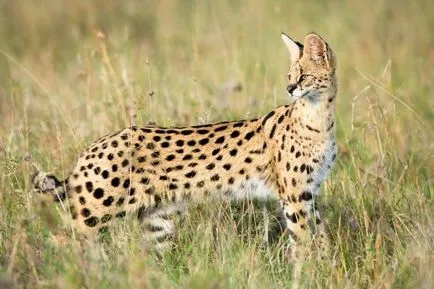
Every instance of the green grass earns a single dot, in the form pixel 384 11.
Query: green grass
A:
pixel 179 62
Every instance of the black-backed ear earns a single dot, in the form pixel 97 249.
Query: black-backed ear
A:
pixel 294 47
pixel 317 50
pixel 332 64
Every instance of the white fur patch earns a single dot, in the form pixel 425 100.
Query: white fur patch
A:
pixel 252 189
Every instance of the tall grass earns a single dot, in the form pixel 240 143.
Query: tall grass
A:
pixel 71 71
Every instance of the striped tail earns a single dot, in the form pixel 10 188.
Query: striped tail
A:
pixel 47 184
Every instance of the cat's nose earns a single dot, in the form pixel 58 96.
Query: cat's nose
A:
pixel 291 88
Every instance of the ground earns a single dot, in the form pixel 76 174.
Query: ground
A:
pixel 72 74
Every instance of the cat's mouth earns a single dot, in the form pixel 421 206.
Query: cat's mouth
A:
pixel 297 94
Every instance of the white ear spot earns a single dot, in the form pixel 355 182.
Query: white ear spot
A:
pixel 293 48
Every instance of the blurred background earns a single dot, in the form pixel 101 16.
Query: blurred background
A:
pixel 71 71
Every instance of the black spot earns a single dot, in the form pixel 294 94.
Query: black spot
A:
pixel 104 146
pixel 97 170
pixel 242 172
pixel 89 186
pixel 94 149
pixel 273 130
pixel 144 181
pixel 132 191
pixel 202 131
pixel 92 221
pixel 305 196
pixel 192 165
pixel 126 184
pixel 180 143
pixel 106 218
pixel 187 185
pixel 156 138
pixel 200 184
pixel 231 180
pixel 297 154
pixel 312 129
pixel 141 159
pixel 150 146
pixel 78 189
pixel 108 202
pixel 187 157
pixel 100 155
pixel 248 160
pixel 215 152
pixel 120 201
pixel 163 178
pixel 227 167
pixel 155 163
pixel 121 214
pixel 180 151
pixel 233 152
pixel 86 174
pixel 115 182
pixel 203 141
pixel 249 135
pixel 110 157
pixel 172 186
pixel 141 137
pixel 220 128
pixel 191 143
pixel 280 119
pixel 186 132
pixel 302 168
pixel 155 154
pixel 309 169
pixel 165 144
pixel 295 168
pixel 294 182
pixel 114 143
pixel 160 131
pixel 294 217
pixel 220 140
pixel 210 166
pixel 82 200
pixel 146 130
pixel 98 193
pixel 114 168
pixel 288 167
pixel 219 158
pixel 202 157
pixel 82 168
pixel 235 134
pixel 170 158
pixel 132 200
pixel 215 178
pixel 105 174
pixel 85 212
pixel 190 174
pixel 125 163
pixel 150 191
pixel 124 136
pixel 270 114
pixel 292 149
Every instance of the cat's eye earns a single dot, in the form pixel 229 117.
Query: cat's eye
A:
pixel 303 77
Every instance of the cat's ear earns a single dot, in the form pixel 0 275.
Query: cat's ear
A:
pixel 294 47
pixel 317 51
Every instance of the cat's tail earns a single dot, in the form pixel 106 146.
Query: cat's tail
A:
pixel 47 185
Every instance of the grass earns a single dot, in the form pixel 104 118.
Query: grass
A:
pixel 73 71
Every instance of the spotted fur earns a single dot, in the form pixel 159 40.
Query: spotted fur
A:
pixel 155 171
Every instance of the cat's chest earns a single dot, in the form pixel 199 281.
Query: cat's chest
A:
pixel 323 162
